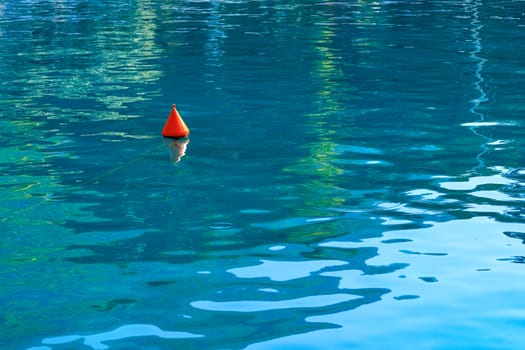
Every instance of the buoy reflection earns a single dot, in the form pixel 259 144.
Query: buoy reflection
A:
pixel 177 147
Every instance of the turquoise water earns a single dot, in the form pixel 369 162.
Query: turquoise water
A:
pixel 354 177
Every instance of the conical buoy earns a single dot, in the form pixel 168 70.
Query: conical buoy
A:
pixel 175 126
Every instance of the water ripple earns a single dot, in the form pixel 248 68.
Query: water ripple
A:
pixel 96 341
pixel 284 270
pixel 316 301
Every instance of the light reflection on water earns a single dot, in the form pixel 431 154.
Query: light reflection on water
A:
pixel 97 341
pixel 354 176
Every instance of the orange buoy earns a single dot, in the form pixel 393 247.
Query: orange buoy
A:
pixel 175 126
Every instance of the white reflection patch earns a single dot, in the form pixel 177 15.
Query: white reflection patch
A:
pixel 284 270
pixel 96 341
pixel 496 195
pixel 476 181
pixel 257 305
pixel 478 124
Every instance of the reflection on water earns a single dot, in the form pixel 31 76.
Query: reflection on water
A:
pixel 335 195
pixel 97 341
pixel 177 147
pixel 317 301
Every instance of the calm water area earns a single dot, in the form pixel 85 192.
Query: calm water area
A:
pixel 354 177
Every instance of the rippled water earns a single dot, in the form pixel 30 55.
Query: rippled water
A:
pixel 354 177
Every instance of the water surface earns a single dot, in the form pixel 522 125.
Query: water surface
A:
pixel 354 176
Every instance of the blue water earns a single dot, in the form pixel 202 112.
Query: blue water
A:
pixel 354 176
